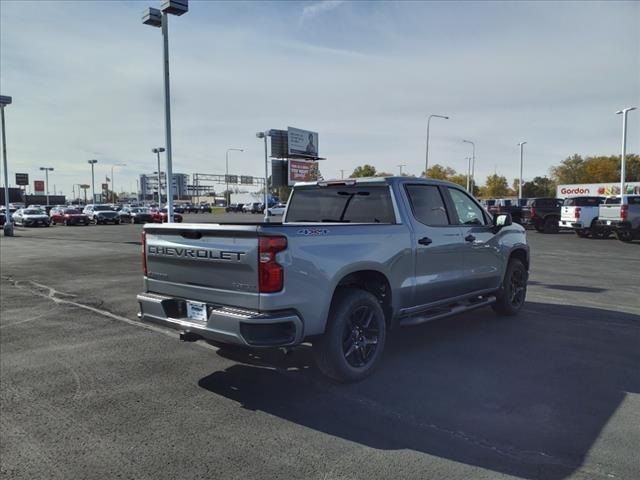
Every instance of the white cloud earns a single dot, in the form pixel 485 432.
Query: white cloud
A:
pixel 310 11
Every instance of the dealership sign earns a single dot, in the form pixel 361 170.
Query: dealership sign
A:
pixel 22 179
pixel 38 186
pixel 596 189
pixel 302 143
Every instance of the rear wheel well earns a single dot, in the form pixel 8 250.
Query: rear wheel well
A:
pixel 373 282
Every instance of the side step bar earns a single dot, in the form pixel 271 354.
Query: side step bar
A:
pixel 446 311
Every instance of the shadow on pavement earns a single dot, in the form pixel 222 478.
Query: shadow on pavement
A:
pixel 526 396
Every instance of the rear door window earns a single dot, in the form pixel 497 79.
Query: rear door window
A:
pixel 428 205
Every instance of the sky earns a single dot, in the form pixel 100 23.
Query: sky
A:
pixel 86 81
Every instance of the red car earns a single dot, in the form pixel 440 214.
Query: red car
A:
pixel 160 216
pixel 68 216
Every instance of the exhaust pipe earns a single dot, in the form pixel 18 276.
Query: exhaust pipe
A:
pixel 189 337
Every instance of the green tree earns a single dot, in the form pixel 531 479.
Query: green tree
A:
pixel 440 172
pixel 570 170
pixel 632 168
pixel 459 179
pixel 539 187
pixel 364 171
pixel 496 186
pixel 384 174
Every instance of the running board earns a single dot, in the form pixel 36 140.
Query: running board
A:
pixel 446 311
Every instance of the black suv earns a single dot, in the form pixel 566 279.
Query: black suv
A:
pixel 543 214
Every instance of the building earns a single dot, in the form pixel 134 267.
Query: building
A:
pixel 149 185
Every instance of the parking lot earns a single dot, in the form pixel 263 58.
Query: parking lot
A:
pixel 89 392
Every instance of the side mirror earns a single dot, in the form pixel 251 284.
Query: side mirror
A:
pixel 502 220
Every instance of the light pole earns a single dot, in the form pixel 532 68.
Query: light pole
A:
pixel 468 172
pixel 46 175
pixel 8 226
pixel 158 151
pixel 624 113
pixel 426 160
pixel 160 18
pixel 266 175
pixel 400 167
pixel 521 163
pixel 93 182
pixel 113 183
pixel 473 165
pixel 226 176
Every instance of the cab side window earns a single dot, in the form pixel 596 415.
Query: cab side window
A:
pixel 468 211
pixel 428 205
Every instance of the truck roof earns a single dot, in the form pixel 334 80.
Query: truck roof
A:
pixel 380 180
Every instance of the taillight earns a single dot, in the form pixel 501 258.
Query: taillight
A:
pixel 533 212
pixel 270 273
pixel 576 213
pixel 144 252
pixel 624 212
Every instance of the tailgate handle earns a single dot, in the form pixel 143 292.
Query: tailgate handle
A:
pixel 191 234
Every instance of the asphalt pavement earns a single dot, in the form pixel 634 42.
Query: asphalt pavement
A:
pixel 87 391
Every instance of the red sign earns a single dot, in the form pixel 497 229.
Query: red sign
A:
pixel 38 186
pixel 302 171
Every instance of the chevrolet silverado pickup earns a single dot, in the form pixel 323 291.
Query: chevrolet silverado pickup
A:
pixel 351 261
pixel 581 215
pixel 622 215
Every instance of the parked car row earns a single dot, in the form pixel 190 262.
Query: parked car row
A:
pixel 587 216
pixel 96 214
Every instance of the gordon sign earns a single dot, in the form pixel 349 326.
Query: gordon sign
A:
pixel 596 189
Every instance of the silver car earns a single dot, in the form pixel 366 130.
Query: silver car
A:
pixel 31 217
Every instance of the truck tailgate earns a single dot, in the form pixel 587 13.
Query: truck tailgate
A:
pixel 206 262
pixel 609 212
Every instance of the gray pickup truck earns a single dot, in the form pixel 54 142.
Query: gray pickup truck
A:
pixel 621 216
pixel 352 260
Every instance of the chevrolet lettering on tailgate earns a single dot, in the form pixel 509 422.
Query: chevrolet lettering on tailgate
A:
pixel 195 253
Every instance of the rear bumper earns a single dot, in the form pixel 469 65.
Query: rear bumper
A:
pixel 224 324
pixel 615 224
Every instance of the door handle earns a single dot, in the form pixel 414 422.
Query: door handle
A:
pixel 425 241
pixel 469 238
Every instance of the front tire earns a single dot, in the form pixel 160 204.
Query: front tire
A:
pixel 354 339
pixel 514 289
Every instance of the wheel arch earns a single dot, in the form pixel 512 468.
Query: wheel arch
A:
pixel 372 281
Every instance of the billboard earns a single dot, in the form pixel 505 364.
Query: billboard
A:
pixel 596 189
pixel 38 186
pixel 22 179
pixel 302 143
pixel 302 171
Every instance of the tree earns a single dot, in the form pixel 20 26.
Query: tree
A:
pixel 459 179
pixel 539 187
pixel 570 170
pixel 384 174
pixel 496 186
pixel 439 172
pixel 364 171
pixel 602 169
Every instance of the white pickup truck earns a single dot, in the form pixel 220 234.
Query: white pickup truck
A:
pixel 581 215
pixel 622 215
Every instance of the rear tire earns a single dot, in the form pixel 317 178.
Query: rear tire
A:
pixel 582 233
pixel 354 339
pixel 624 236
pixel 514 289
pixel 551 225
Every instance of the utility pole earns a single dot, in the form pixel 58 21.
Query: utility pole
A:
pixel 400 167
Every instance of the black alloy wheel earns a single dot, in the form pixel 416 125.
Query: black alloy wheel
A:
pixel 360 337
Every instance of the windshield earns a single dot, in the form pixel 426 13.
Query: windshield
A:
pixel 583 201
pixel 102 208
pixel 72 211
pixel 33 211
pixel 341 203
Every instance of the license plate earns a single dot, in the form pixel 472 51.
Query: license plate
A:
pixel 197 311
pixel 608 222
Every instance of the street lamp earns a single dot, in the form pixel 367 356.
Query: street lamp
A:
pixel 113 183
pixel 158 151
pixel 160 18
pixel 46 174
pixel 226 176
pixel 426 161
pixel 624 113
pixel 8 226
pixel 468 172
pixel 520 182
pixel 473 165
pixel 266 174
pixel 93 182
